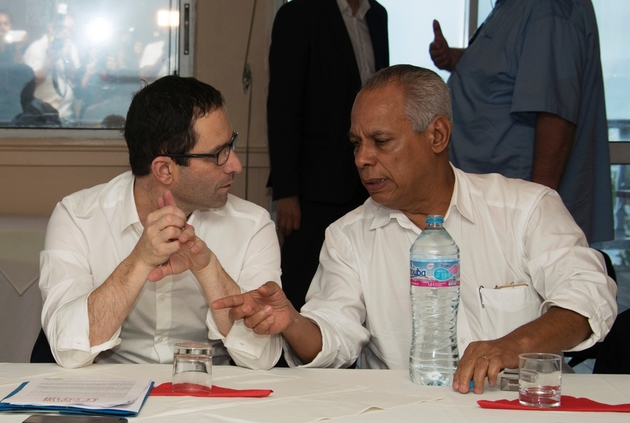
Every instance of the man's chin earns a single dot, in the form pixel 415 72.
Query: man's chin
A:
pixel 381 198
pixel 217 202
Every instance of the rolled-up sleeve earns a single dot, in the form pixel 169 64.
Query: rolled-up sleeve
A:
pixel 66 282
pixel 261 264
pixel 565 271
pixel 335 303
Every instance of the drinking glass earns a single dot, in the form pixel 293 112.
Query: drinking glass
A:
pixel 192 367
pixel 539 379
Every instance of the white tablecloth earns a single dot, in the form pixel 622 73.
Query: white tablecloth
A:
pixel 303 395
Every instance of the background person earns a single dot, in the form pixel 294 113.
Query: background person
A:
pixel 322 51
pixel 55 59
pixel 11 49
pixel 528 103
pixel 14 76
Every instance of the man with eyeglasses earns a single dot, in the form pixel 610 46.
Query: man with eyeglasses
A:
pixel 129 267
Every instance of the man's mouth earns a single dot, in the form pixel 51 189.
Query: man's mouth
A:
pixel 228 184
pixel 374 184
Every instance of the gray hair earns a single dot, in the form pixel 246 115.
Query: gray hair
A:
pixel 426 94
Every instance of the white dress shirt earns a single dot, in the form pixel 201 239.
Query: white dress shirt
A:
pixel 92 231
pixel 359 36
pixel 508 232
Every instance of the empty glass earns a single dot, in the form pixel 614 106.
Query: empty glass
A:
pixel 192 367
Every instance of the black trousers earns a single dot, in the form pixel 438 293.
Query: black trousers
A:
pixel 300 250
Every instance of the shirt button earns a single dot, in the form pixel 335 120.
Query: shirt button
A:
pixel 160 339
pixel 162 297
pixel 462 341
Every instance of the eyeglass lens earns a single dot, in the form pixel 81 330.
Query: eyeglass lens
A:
pixel 224 154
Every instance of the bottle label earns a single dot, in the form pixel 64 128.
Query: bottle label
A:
pixel 433 273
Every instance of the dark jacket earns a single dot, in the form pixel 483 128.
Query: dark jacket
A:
pixel 314 79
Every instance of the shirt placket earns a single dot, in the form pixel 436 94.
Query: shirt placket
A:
pixel 163 319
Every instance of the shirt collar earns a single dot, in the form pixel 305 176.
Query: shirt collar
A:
pixel 344 7
pixel 129 214
pixel 460 201
pixel 383 215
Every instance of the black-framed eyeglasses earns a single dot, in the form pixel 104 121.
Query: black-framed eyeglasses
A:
pixel 222 155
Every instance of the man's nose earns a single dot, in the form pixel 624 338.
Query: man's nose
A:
pixel 233 164
pixel 363 155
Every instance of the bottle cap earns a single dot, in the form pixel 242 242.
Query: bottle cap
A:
pixel 435 218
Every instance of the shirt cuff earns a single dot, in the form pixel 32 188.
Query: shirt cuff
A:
pixel 240 338
pixel 70 335
pixel 325 358
pixel 600 324
pixel 245 341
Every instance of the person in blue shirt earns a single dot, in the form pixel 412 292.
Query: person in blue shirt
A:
pixel 528 102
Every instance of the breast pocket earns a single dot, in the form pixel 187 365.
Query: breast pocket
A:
pixel 505 309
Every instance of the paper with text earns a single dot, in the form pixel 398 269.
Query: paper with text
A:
pixel 86 393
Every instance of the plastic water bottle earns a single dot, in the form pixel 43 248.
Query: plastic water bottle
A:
pixel 434 268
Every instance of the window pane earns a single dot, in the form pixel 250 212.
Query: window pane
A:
pixel 410 25
pixel 619 248
pixel 484 9
pixel 76 63
pixel 612 19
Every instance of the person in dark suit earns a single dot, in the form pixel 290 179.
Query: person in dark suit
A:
pixel 321 53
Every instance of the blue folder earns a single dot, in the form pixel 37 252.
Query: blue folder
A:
pixel 67 409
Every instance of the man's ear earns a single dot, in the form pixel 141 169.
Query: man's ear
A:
pixel 164 170
pixel 441 134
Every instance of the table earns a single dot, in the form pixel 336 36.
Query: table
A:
pixel 300 394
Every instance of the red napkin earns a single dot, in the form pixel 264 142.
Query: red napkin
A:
pixel 166 390
pixel 567 403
